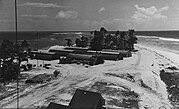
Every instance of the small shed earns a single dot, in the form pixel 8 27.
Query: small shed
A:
pixel 87 100
pixel 82 100
pixel 57 106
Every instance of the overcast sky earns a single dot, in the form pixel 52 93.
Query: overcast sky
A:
pixel 90 14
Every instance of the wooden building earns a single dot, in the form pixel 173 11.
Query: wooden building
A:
pixel 125 53
pixel 61 52
pixel 42 55
pixel 106 55
pixel 85 58
pixel 82 100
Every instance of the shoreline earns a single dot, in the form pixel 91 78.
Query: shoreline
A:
pixel 169 73
pixel 137 76
pixel 172 55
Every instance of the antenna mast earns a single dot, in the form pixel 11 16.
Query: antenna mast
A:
pixel 18 64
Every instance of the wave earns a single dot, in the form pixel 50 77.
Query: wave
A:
pixel 78 33
pixel 149 37
pixel 160 38
pixel 169 39
pixel 59 33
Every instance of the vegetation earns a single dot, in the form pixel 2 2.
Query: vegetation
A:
pixel 82 42
pixel 119 41
pixel 11 56
pixel 97 42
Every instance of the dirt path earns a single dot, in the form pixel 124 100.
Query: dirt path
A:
pixel 130 83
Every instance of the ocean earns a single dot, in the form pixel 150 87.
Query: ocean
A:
pixel 44 39
pixel 168 40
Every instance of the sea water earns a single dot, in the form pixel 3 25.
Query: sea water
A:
pixel 168 40
pixel 44 39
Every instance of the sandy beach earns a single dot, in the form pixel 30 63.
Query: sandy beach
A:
pixel 133 82
pixel 127 51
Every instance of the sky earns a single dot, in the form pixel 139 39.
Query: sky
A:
pixel 89 15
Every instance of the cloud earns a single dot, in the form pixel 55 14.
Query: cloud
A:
pixel 42 5
pixel 175 4
pixel 35 16
pixel 163 9
pixel 67 14
pixel 111 24
pixel 148 14
pixel 3 20
pixel 101 10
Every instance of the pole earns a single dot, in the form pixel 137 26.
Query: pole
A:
pixel 37 48
pixel 16 19
pixel 17 56
pixel 37 41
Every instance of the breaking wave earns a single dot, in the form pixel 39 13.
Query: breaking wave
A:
pixel 78 33
pixel 169 39
pixel 160 38
pixel 59 33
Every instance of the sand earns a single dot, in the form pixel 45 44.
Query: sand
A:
pixel 133 82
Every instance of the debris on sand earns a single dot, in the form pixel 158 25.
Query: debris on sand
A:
pixel 118 96
pixel 171 79
pixel 124 76
pixel 172 68
pixel 56 72
pixel 41 78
